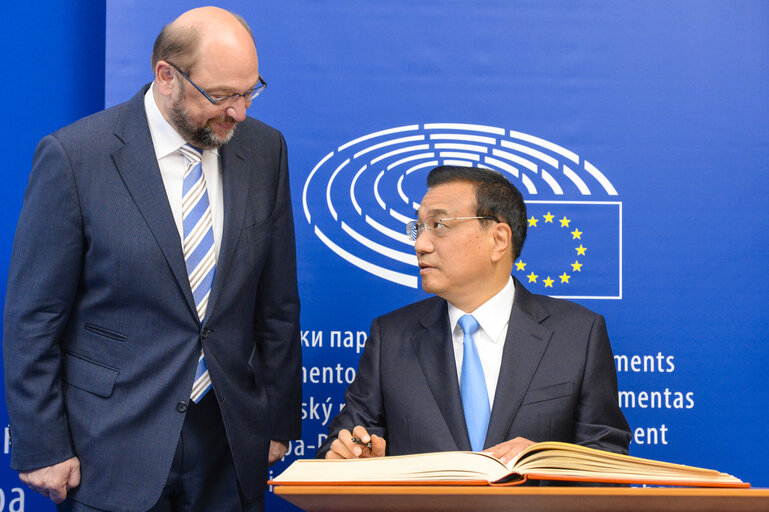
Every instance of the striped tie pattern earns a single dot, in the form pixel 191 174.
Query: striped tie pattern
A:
pixel 199 253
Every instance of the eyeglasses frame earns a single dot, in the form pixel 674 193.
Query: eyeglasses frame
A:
pixel 413 229
pixel 217 101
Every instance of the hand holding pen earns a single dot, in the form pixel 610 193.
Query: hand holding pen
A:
pixel 356 445
pixel 361 443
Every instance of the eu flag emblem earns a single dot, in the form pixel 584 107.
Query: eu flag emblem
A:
pixel 573 249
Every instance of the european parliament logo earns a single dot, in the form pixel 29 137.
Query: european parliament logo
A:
pixel 359 197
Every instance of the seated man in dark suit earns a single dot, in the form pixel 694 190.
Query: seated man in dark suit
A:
pixel 485 365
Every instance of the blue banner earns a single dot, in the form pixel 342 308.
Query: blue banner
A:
pixel 636 131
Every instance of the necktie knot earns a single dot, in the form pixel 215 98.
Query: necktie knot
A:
pixel 469 324
pixel 191 153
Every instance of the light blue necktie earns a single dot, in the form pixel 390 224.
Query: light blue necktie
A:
pixel 475 397
pixel 199 253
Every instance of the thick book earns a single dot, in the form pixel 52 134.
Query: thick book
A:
pixel 542 461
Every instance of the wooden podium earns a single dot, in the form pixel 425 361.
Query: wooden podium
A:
pixel 357 498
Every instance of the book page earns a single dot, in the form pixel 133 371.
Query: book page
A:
pixel 562 459
pixel 457 466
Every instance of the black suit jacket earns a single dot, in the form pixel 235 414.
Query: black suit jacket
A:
pixel 557 380
pixel 101 337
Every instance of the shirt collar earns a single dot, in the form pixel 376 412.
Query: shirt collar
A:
pixel 493 315
pixel 164 137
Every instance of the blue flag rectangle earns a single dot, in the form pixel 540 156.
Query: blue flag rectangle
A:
pixel 573 249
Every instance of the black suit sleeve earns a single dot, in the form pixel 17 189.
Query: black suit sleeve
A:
pixel 599 422
pixel 276 332
pixel 42 283
pixel 364 404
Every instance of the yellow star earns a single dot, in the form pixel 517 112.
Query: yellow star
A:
pixel 532 277
pixel 564 277
pixel 549 217
pixel 520 265
pixel 576 266
pixel 564 222
pixel 548 282
pixel 533 221
pixel 581 250
pixel 576 234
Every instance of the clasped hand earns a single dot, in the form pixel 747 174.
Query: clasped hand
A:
pixel 54 481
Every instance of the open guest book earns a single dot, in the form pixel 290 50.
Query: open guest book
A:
pixel 542 461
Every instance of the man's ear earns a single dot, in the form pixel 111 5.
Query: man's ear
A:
pixel 164 77
pixel 502 241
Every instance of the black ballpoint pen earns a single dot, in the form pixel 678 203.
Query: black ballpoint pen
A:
pixel 358 441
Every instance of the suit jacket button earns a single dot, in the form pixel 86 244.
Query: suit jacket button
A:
pixel 181 406
pixel 205 333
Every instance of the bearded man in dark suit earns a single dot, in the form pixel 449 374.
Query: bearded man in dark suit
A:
pixel 151 346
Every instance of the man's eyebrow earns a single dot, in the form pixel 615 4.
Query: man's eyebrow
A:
pixel 226 90
pixel 434 212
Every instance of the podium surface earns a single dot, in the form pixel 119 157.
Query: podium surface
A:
pixel 391 498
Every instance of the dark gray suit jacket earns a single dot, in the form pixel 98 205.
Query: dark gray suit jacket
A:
pixel 101 336
pixel 557 380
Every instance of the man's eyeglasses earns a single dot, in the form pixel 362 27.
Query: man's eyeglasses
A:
pixel 221 100
pixel 436 225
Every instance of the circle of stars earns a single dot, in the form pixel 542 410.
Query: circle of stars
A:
pixel 576 234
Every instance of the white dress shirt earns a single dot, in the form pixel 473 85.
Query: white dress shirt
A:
pixel 167 142
pixel 493 318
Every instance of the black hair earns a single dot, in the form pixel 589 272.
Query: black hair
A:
pixel 495 197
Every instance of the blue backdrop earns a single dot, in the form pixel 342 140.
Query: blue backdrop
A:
pixel 636 131
pixel 53 75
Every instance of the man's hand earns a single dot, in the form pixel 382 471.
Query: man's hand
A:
pixel 344 447
pixel 54 481
pixel 509 449
pixel 277 450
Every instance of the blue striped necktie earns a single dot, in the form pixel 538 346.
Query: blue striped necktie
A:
pixel 475 397
pixel 199 253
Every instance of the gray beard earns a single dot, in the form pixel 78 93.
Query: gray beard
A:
pixel 202 137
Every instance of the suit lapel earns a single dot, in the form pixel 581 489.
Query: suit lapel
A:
pixel 525 345
pixel 138 167
pixel 435 354
pixel 235 192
